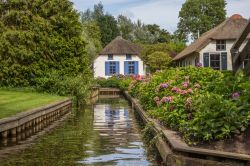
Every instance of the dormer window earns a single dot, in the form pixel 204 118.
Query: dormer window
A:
pixel 110 57
pixel 220 45
pixel 128 57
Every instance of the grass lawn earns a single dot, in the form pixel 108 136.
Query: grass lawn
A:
pixel 16 101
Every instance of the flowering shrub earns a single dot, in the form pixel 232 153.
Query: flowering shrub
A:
pixel 202 103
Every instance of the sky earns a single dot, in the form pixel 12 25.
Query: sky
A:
pixel 161 12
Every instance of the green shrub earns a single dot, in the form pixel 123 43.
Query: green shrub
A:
pixel 214 118
pixel 116 81
pixel 75 86
pixel 202 103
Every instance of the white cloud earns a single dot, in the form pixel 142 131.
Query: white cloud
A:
pixel 241 7
pixel 162 12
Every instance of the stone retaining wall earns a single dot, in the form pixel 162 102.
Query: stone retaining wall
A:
pixel 16 127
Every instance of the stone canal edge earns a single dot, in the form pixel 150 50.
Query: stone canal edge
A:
pixel 39 120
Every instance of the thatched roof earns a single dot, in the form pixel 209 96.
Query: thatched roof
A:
pixel 120 46
pixel 231 28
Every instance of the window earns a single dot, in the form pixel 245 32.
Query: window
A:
pixel 220 45
pixel 112 68
pixel 215 61
pixel 110 57
pixel 128 57
pixel 246 61
pixel 131 67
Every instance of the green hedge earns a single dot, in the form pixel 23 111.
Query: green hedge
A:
pixel 201 103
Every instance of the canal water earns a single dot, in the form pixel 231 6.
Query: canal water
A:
pixel 105 133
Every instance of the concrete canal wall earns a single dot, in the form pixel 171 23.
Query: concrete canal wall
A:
pixel 36 119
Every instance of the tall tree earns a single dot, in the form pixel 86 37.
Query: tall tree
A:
pixel 162 35
pixel 106 23
pixel 38 37
pixel 108 27
pixel 199 16
pixel 125 26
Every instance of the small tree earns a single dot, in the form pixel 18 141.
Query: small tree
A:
pixel 159 61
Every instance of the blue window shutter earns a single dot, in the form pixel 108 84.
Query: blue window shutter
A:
pixel 106 68
pixel 136 68
pixel 206 59
pixel 125 68
pixel 224 60
pixel 117 64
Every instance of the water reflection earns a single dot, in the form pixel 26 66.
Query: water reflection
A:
pixel 117 126
pixel 103 134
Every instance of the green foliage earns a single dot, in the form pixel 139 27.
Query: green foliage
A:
pixel 163 35
pixel 75 86
pixel 126 27
pixel 214 118
pixel 108 27
pixel 107 23
pixel 159 61
pixel 38 38
pixel 204 16
pixel 116 81
pixel 169 49
pixel 202 103
pixel 92 34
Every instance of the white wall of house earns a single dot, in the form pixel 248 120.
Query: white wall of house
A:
pixel 99 64
pixel 211 48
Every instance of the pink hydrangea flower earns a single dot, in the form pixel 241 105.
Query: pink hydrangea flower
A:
pixel 190 90
pixel 168 99
pixel 175 89
pixel 183 92
pixel 163 86
pixel 185 84
pixel 199 64
pixel 235 95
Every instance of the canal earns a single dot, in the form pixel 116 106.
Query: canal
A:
pixel 105 133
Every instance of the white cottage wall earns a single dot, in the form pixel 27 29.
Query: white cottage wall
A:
pixel 99 64
pixel 211 48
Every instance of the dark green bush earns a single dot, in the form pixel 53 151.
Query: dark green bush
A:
pixel 75 86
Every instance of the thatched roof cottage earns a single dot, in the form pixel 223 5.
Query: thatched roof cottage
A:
pixel 119 57
pixel 212 49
